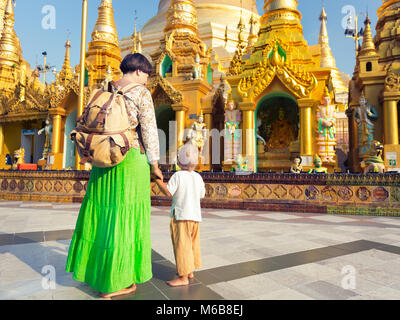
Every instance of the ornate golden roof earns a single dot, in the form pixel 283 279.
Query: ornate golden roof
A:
pixel 276 63
pixel 9 46
pixel 34 105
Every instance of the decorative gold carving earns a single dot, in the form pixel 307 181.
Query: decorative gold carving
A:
pixel 158 81
pixel 275 64
pixel 392 82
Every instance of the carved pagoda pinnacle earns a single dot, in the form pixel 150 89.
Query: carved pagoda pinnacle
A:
pixel 103 49
pixel 275 10
pixel 252 39
pixel 182 17
pixel 66 73
pixel 368 47
pixel 327 59
pixel 9 53
pixel 135 40
pixel 105 29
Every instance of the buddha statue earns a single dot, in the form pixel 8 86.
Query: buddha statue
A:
pixel 282 133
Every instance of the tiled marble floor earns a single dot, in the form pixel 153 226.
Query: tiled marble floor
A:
pixel 246 255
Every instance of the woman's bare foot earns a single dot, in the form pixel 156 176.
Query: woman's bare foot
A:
pixel 181 281
pixel 128 290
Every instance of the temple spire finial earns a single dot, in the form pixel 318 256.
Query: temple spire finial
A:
pixel 327 59
pixel 105 29
pixel 9 44
pixel 368 46
pixel 66 73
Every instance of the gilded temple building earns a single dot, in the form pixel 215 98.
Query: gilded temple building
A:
pixel 217 27
pixel 24 100
pixel 267 68
pixel 279 87
pixel 206 54
pixel 375 92
pixel 103 59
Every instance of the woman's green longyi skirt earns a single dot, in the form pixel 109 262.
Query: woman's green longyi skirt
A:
pixel 111 246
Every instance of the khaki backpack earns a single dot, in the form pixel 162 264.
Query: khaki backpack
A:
pixel 102 135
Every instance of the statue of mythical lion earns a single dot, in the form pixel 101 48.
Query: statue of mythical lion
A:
pixel 374 162
pixel 19 156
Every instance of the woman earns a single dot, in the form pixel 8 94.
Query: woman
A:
pixel 111 246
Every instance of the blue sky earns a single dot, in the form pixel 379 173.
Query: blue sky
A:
pixel 35 39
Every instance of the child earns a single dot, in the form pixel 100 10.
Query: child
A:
pixel 187 188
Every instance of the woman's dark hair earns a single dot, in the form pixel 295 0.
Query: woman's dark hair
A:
pixel 300 158
pixel 134 62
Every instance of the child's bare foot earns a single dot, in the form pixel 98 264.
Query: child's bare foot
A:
pixel 181 281
pixel 190 276
pixel 128 290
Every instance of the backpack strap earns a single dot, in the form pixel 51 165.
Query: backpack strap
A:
pixel 86 151
pixel 86 110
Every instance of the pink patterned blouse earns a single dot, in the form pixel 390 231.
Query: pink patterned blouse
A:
pixel 140 110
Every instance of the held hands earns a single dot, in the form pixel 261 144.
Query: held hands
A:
pixel 156 173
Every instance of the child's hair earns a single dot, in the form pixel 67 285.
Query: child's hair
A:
pixel 188 155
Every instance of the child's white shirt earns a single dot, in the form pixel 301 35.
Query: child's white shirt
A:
pixel 187 188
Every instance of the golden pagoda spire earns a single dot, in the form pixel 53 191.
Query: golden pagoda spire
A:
pixel 105 29
pixel 252 39
pixel 135 40
pixel 103 49
pixel 66 73
pixel 182 17
pixel 368 47
pixel 9 53
pixel 327 59
pixel 2 10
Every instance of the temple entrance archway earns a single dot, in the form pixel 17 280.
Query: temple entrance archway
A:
pixel 277 132
pixel 69 146
pixel 164 114
pixel 218 123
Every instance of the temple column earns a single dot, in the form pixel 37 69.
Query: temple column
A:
pixel 1 140
pixel 248 134
pixel 306 127
pixel 390 122
pixel 2 156
pixel 391 131
pixel 208 121
pixel 56 134
pixel 180 118
pixel 57 114
pixel 354 163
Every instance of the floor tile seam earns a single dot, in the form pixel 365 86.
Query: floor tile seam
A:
pixel 159 290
